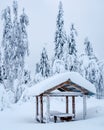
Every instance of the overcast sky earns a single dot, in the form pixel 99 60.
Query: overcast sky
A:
pixel 87 15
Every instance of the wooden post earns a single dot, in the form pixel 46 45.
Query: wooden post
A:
pixel 84 107
pixel 41 109
pixel 73 105
pixel 37 108
pixel 67 105
pixel 47 109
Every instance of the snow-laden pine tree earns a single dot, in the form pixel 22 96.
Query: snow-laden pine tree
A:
pixel 60 38
pixel 38 76
pixel 37 69
pixel 92 67
pixel 22 47
pixel 58 65
pixel 20 38
pixel 15 47
pixel 86 58
pixel 20 42
pixel 26 77
pixel 7 45
pixel 44 64
pixel 94 75
pixel 89 67
pixel 3 75
pixel 72 41
pixel 100 90
pixel 88 48
pixel 21 86
pixel 1 78
pixel 70 51
pixel 16 40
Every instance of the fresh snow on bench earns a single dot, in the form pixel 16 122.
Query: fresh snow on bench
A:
pixel 64 115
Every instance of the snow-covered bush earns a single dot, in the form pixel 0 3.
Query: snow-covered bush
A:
pixel 4 98
pixel 58 66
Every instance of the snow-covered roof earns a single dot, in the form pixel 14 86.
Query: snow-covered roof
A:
pixel 53 81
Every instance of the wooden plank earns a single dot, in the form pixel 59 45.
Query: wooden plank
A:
pixel 84 107
pixel 37 107
pixel 66 89
pixel 61 89
pixel 64 94
pixel 41 109
pixel 56 87
pixel 64 115
pixel 78 87
pixel 67 104
pixel 73 105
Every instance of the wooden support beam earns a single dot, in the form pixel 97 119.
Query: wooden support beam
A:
pixel 64 94
pixel 84 107
pixel 67 105
pixel 37 108
pixel 78 87
pixel 48 109
pixel 56 87
pixel 73 105
pixel 66 89
pixel 41 109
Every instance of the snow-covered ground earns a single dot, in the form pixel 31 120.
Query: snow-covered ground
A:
pixel 21 116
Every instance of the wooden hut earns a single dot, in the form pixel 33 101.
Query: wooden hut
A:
pixel 70 84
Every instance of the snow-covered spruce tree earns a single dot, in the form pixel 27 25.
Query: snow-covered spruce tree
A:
pixel 102 81
pixel 91 70
pixel 23 49
pixel 3 75
pixel 20 41
pixel 44 64
pixel 86 58
pixel 21 86
pixel 15 48
pixel 100 90
pixel 71 62
pixel 16 40
pixel 1 78
pixel 59 34
pixel 94 75
pixel 88 48
pixel 92 66
pixel 7 44
pixel 72 41
pixel 38 75
pixel 26 77
pixel 37 69
pixel 58 65
pixel 22 46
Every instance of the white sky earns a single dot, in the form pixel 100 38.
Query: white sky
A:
pixel 87 15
